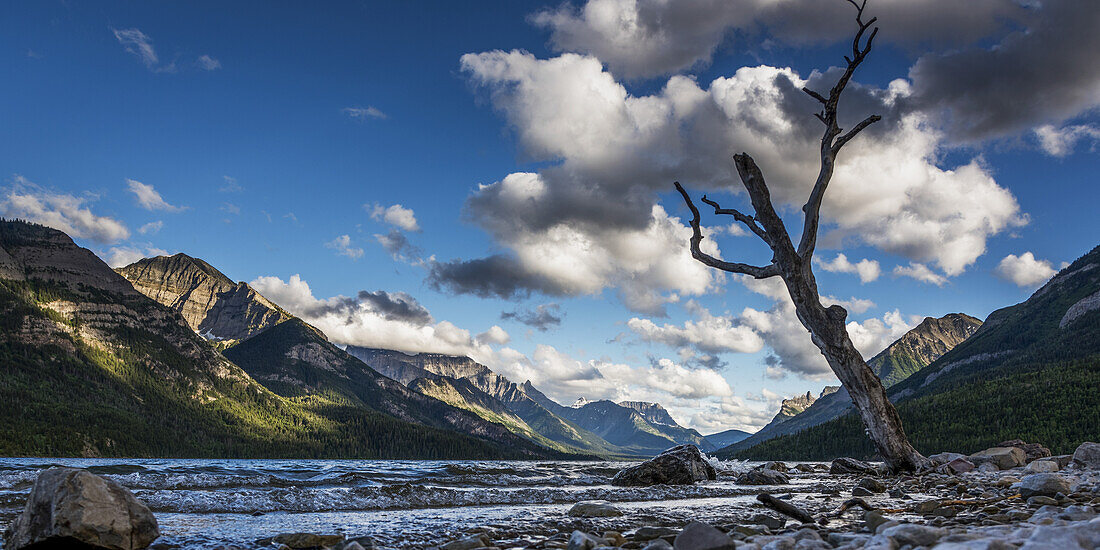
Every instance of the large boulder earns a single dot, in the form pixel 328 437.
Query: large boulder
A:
pixel 1046 485
pixel 1032 451
pixel 68 507
pixel 1087 455
pixel 1003 458
pixel 700 536
pixel 847 465
pixel 763 476
pixel 682 465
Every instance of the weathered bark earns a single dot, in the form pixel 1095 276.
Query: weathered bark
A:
pixel 826 325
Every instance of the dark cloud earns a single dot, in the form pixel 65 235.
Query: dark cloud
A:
pixel 1043 74
pixel 542 317
pixel 396 306
pixel 397 244
pixel 496 276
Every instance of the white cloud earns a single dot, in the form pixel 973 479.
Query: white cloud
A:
pixel 709 334
pixel 363 113
pixel 395 215
pixel 342 245
pixel 867 270
pixel 207 63
pixel 921 273
pixel 60 211
pixel 610 153
pixel 151 227
pixel 140 45
pixel 1024 270
pixel 495 335
pixel 120 256
pixel 149 199
pixel 1059 142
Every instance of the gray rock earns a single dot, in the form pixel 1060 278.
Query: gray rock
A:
pixel 467 543
pixel 771 522
pixel 67 504
pixel 1032 451
pixel 988 467
pixel 861 492
pixel 873 519
pixel 976 544
pixel 1043 484
pixel 594 509
pixel 650 533
pixel 580 540
pixel 847 465
pixel 1087 455
pixel 940 459
pixel 916 535
pixel 1003 458
pixel 763 477
pixel 958 466
pixel 1043 466
pixel 658 544
pixel 1062 460
pixel 872 484
pixel 682 465
pixel 1073 536
pixel 777 466
pixel 700 536
pixel 881 542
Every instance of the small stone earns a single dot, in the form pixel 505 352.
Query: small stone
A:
pixel 771 522
pixel 650 533
pixel 861 492
pixel 468 543
pixel 762 477
pixel 916 535
pixel 872 484
pixel 1043 466
pixel 1043 484
pixel 847 465
pixel 873 519
pixel 777 466
pixel 701 536
pixel 1041 500
pixel 579 540
pixel 945 512
pixel 594 509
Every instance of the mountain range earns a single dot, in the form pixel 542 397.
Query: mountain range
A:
pixel 1031 371
pixel 917 348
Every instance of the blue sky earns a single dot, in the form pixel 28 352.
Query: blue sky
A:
pixel 536 139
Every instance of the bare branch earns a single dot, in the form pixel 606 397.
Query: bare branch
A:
pixel 769 270
pixel 840 141
pixel 815 95
pixel 737 215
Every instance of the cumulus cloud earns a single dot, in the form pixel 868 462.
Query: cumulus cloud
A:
pixel 342 245
pixel 395 215
pixel 644 38
pixel 140 46
pixel 921 273
pixel 121 256
pixel 587 221
pixel 149 198
pixel 707 333
pixel 867 270
pixel 364 113
pixel 495 335
pixel 542 317
pixel 207 63
pixel 64 212
pixel 1024 270
pixel 397 244
pixel 1059 142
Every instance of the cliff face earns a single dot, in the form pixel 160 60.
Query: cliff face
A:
pixel 214 306
pixel 923 344
pixel 654 413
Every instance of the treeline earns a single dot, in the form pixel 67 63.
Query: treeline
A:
pixel 1053 403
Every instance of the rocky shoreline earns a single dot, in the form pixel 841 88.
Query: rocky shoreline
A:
pixel 1012 496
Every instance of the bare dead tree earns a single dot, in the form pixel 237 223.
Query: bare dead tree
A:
pixel 793 265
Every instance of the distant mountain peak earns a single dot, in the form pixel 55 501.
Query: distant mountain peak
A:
pixel 579 403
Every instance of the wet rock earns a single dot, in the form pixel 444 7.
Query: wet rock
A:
pixel 762 477
pixel 650 533
pixel 700 536
pixel 872 484
pixel 594 509
pixel 861 492
pixel 1003 458
pixel 873 519
pixel 1032 451
pixel 915 535
pixel 777 466
pixel 1043 484
pixel 658 544
pixel 579 540
pixel 310 540
pixel 682 465
pixel 771 522
pixel 1043 466
pixel 1041 500
pixel 805 468
pixel 847 465
pixel 68 506
pixel 1087 456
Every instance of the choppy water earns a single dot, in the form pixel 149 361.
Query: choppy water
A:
pixel 205 503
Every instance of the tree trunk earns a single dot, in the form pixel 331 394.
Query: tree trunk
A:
pixel 827 330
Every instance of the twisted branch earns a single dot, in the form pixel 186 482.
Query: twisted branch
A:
pixel 770 270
